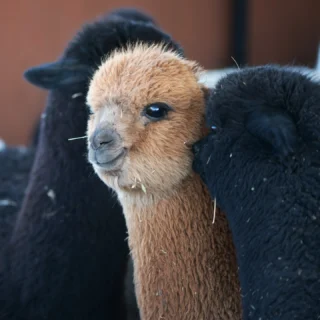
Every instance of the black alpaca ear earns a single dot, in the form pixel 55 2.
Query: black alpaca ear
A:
pixel 57 74
pixel 274 127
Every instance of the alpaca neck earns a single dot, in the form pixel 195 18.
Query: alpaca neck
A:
pixel 185 265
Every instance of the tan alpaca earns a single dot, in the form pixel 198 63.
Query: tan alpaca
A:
pixel 148 109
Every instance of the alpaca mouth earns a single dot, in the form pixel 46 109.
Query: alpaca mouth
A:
pixel 109 161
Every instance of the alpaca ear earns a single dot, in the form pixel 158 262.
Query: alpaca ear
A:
pixel 57 74
pixel 275 127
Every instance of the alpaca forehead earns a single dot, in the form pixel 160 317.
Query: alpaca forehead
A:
pixel 133 81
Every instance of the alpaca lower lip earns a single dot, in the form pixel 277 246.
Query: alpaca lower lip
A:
pixel 114 162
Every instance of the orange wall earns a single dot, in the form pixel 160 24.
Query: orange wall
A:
pixel 36 31
pixel 283 31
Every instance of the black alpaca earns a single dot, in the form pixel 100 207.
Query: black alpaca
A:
pixel 15 165
pixel 262 164
pixel 67 255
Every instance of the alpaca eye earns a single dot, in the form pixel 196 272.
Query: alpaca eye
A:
pixel 213 129
pixel 156 111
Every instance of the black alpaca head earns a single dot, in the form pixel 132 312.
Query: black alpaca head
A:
pixel 84 54
pixel 263 111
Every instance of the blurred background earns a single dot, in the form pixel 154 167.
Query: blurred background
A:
pixel 211 31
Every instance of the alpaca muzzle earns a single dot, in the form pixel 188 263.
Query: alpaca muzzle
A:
pixel 106 150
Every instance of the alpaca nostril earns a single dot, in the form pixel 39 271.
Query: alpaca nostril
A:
pixel 102 138
pixel 105 142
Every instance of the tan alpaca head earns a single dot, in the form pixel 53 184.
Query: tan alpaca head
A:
pixel 147 110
